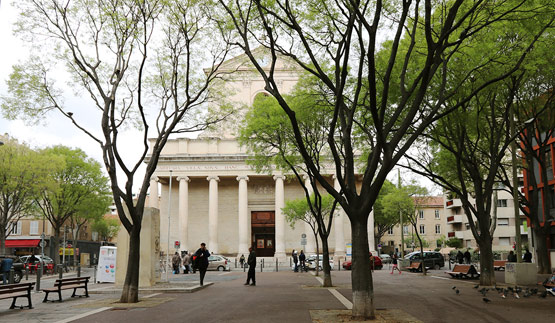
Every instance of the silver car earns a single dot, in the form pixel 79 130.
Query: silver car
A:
pixel 217 262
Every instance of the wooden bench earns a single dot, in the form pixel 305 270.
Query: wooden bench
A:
pixel 17 290
pixel 499 264
pixel 68 283
pixel 463 271
pixel 414 266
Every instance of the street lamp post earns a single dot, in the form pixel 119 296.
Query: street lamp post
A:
pixel 169 217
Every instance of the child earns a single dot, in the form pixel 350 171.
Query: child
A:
pixel 395 266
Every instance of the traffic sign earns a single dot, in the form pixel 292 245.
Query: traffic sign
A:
pixel 303 242
pixel 177 244
pixel 303 236
pixel 42 244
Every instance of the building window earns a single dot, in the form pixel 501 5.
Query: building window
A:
pixel 390 231
pixel 438 229
pixel 502 222
pixel 502 203
pixel 94 236
pixel 467 226
pixel 437 214
pixel 422 229
pixel 504 241
pixel 391 243
pixel 15 228
pixel 421 214
pixel 34 227
pixel 406 229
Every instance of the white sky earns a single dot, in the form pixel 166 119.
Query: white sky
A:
pixel 56 129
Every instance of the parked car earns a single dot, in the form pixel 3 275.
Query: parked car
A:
pixel 432 259
pixel 217 262
pixel 311 262
pixel 386 259
pixel 48 263
pixel 17 267
pixel 378 264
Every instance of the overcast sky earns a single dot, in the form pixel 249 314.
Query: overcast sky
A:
pixel 56 129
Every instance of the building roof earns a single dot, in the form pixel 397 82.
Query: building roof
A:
pixel 429 201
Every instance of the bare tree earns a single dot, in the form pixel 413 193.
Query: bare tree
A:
pixel 139 64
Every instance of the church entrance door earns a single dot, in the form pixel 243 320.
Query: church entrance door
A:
pixel 263 233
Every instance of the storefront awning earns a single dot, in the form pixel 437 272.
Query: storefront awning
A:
pixel 22 243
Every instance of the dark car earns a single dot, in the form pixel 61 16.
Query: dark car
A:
pixel 432 259
pixel 17 267
pixel 377 264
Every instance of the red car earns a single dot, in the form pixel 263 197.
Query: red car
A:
pixel 377 264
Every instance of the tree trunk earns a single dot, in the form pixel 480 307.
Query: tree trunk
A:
pixel 542 254
pixel 2 241
pixel 56 246
pixel 487 274
pixel 326 263
pixel 361 276
pixel 130 292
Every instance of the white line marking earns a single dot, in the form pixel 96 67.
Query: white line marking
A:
pixel 341 298
pixel 338 295
pixel 452 279
pixel 80 316
pixel 151 295
pixel 226 273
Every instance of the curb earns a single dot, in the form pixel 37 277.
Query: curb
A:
pixel 154 290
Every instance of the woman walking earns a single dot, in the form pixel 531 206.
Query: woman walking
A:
pixel 395 266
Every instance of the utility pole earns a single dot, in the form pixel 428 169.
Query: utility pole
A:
pixel 169 217
pixel 518 243
pixel 401 217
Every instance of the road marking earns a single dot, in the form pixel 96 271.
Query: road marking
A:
pixel 226 273
pixel 80 316
pixel 338 295
pixel 151 295
pixel 451 279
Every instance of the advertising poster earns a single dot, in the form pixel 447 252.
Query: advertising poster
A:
pixel 349 249
pixel 106 271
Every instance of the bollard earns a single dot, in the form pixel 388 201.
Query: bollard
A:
pixel 94 274
pixel 244 268
pixel 10 281
pixel 78 270
pixel 60 271
pixel 276 264
pixel 339 267
pixel 261 265
pixel 39 275
pixel 235 262
pixel 27 273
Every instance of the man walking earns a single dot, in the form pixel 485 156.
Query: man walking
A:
pixel 6 266
pixel 295 260
pixel 302 259
pixel 251 261
pixel 187 262
pixel 202 255
pixel 467 256
pixel 176 261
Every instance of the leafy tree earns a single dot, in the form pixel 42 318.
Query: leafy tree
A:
pixel 455 243
pixel 80 190
pixel 376 88
pixel 267 135
pixel 138 63
pixel 91 209
pixel 23 175
pixel 384 220
pixel 107 228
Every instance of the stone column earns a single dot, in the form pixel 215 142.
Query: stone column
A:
pixel 243 216
pixel 371 240
pixel 338 225
pixel 183 219
pixel 213 213
pixel 280 218
pixel 310 247
pixel 153 197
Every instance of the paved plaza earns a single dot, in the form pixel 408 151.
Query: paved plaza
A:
pixel 286 296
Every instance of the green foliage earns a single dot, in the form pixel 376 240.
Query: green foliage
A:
pixel 299 210
pixel 454 243
pixel 107 228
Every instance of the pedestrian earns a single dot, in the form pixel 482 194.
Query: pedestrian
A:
pixel 467 256
pixel 527 256
pixel 186 263
pixel 372 262
pixel 242 260
pixel 395 264
pixel 176 262
pixel 6 266
pixel 295 260
pixel 302 259
pixel 511 257
pixel 251 262
pixel 460 257
pixel 202 255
